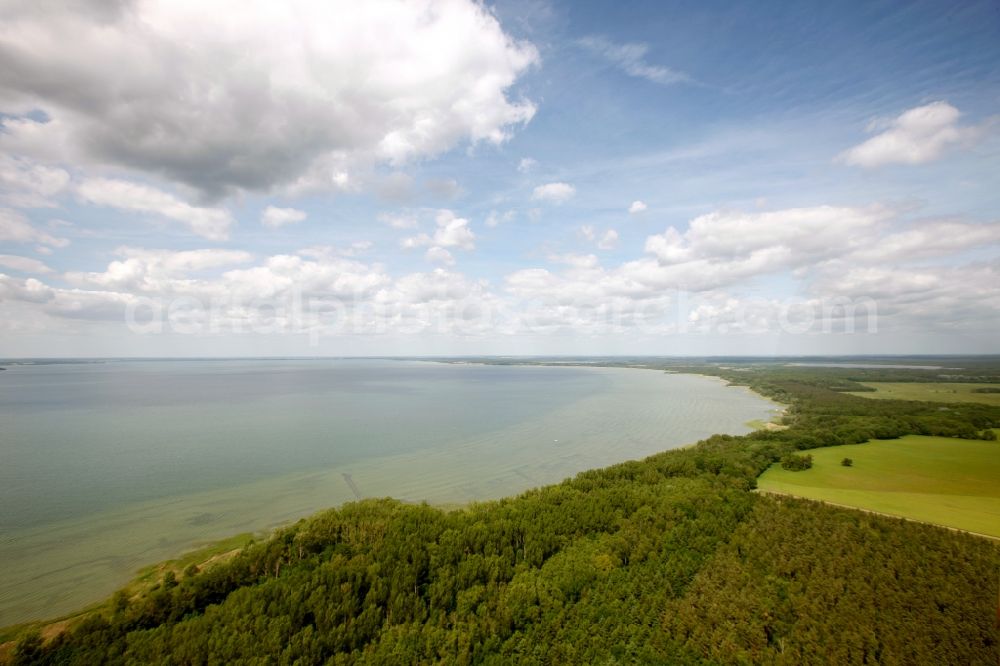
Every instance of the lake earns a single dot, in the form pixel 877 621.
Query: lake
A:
pixel 106 467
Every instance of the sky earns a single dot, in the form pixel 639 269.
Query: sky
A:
pixel 316 177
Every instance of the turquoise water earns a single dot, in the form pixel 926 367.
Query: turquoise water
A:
pixel 109 466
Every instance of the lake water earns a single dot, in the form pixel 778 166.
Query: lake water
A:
pixel 107 467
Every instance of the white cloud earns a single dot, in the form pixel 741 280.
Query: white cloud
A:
pixel 917 136
pixel 727 247
pixel 14 227
pixel 439 255
pixel 452 231
pixel 583 299
pixel 223 97
pixel 275 217
pixel 794 235
pixel 526 164
pixel 699 277
pixel 924 298
pixel 717 250
pixel 330 278
pixel 609 240
pixel 554 192
pixel 157 271
pixel 631 59
pixel 927 240
pixel 211 223
pixel 840 255
pixel 440 301
pixel 25 184
pixel 637 207
pixel 23 264
pixel 27 291
pixel 420 240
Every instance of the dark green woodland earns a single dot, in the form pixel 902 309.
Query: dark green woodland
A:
pixel 669 560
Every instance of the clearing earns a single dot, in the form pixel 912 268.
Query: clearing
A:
pixel 932 392
pixel 940 480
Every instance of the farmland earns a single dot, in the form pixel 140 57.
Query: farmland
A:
pixel 949 392
pixel 946 481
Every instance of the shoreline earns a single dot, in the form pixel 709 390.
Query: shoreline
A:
pixel 276 488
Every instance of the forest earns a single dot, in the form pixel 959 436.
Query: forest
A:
pixel 673 559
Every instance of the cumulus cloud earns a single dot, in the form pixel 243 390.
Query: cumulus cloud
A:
pixel 211 223
pixel 849 261
pixel 157 271
pixel 526 164
pixel 275 217
pixel 922 298
pixel 931 239
pixel 637 207
pixel 452 231
pixel 441 301
pixel 23 264
pixel 15 228
pixel 631 59
pixel 584 298
pixel 328 278
pixel 917 136
pixel 221 98
pixel 439 255
pixel 723 248
pixel 789 236
pixel 554 192
pixel 695 278
pixel 28 290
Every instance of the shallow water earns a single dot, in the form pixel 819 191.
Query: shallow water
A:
pixel 107 467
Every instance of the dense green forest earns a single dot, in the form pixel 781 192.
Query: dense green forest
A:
pixel 672 559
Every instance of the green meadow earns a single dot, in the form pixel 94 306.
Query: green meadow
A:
pixel 941 480
pixel 933 392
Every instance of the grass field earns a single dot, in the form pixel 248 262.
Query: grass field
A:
pixel 939 480
pixel 931 391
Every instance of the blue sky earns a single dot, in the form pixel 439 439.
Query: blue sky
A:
pixel 220 178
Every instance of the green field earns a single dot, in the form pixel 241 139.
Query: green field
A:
pixel 931 391
pixel 952 482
